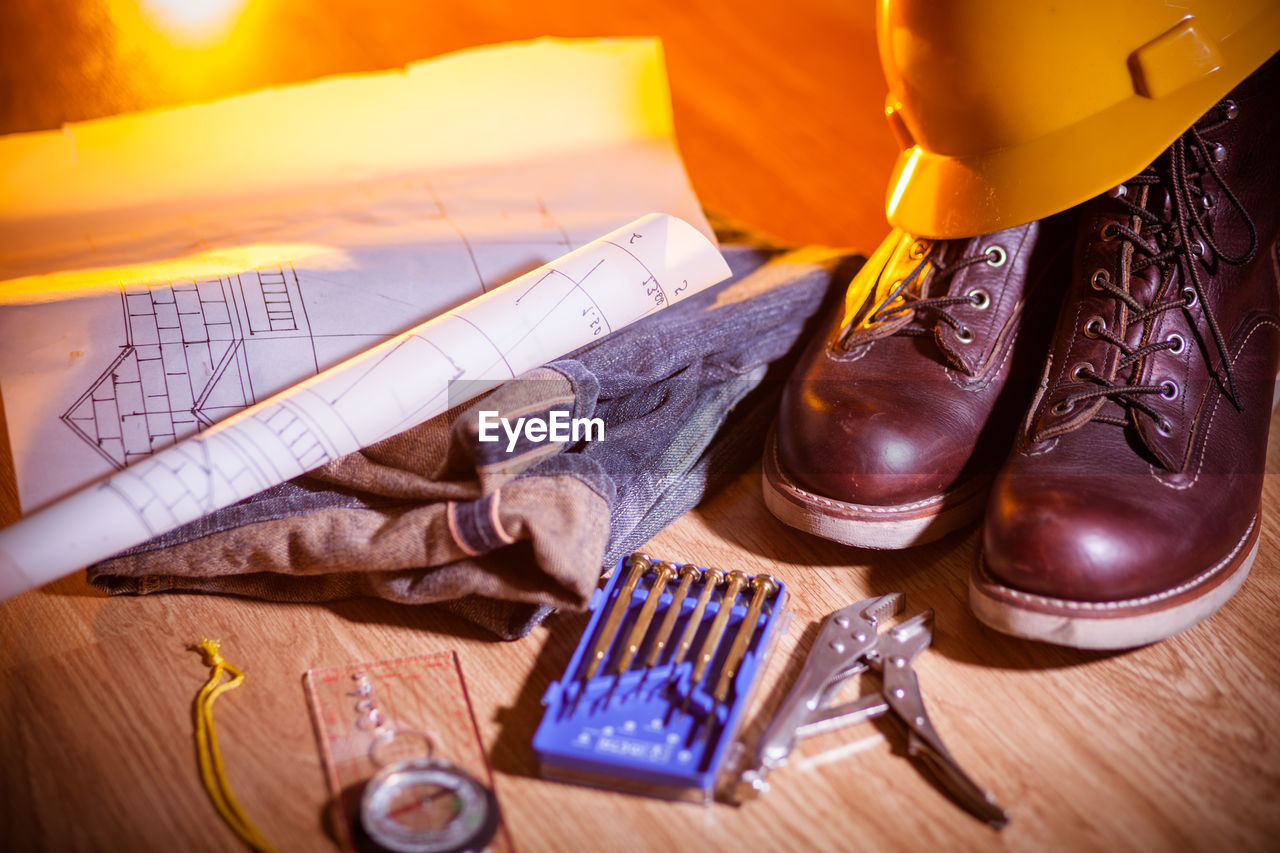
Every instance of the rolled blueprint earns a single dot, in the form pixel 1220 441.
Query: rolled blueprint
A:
pixel 604 285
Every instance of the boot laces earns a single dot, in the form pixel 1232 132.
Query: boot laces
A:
pixel 1180 240
pixel 934 308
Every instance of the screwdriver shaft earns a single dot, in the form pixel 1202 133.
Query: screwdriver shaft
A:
pixel 763 586
pixel 710 580
pixel 711 642
pixel 688 574
pixel 662 573
pixel 639 564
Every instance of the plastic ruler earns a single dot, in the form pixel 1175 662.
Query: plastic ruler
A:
pixel 423 694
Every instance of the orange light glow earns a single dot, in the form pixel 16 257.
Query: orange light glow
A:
pixel 176 55
pixel 194 22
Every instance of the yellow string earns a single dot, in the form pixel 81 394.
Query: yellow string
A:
pixel 211 769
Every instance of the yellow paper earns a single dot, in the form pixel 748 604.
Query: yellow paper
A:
pixel 520 102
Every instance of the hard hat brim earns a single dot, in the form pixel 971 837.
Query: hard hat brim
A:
pixel 939 196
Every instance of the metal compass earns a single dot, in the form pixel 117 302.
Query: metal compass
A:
pixel 425 805
pixel 417 803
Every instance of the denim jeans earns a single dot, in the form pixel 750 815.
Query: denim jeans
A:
pixel 507 530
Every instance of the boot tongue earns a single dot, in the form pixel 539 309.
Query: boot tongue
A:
pixel 867 314
pixel 1114 257
pixel 966 359
pixel 1168 449
pixel 1148 286
pixel 881 299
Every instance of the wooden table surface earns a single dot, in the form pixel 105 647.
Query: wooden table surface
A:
pixel 778 112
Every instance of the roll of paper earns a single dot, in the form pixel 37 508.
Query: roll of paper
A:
pixel 609 283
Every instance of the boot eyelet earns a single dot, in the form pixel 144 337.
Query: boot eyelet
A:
pixel 1206 201
pixel 1219 152
pixel 1169 389
pixel 981 299
pixel 1100 278
pixel 917 250
pixel 1189 297
pixel 1062 407
pixel 1164 427
pixel 1095 327
pixel 1110 231
pixel 965 335
pixel 1197 248
pixel 1231 110
pixel 1119 191
pixel 1179 343
pixel 1079 370
pixel 996 256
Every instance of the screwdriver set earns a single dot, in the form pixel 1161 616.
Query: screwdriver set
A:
pixel 658 686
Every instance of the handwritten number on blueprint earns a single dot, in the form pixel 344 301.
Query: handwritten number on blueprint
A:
pixel 655 290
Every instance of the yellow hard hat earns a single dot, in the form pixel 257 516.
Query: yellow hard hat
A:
pixel 1012 110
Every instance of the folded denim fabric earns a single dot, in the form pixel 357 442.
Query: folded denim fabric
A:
pixel 507 530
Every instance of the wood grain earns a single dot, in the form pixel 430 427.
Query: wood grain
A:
pixel 778 110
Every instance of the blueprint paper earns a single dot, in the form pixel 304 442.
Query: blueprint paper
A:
pixel 208 288
pixel 609 283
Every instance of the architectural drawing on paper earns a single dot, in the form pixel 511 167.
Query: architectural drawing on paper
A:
pixel 315 424
pixel 184 364
pixel 196 351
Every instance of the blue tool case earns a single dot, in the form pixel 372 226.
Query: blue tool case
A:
pixel 658 686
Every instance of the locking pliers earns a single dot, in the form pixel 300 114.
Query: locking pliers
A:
pixel 851 643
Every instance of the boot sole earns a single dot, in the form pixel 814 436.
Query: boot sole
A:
pixel 1111 624
pixel 868 526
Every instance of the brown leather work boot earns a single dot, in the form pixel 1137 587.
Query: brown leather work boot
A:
pixel 896 420
pixel 1129 508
